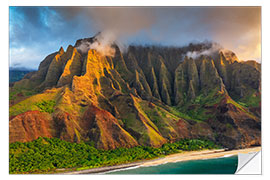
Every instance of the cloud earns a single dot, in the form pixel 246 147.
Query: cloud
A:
pixel 208 52
pixel 116 24
pixel 48 28
pixel 41 30
pixel 103 44
pixel 25 56
pixel 236 28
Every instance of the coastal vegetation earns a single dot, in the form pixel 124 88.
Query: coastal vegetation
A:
pixel 45 155
pixel 130 107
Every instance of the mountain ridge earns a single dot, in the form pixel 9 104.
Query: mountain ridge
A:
pixel 145 96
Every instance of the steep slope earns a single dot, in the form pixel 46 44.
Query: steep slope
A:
pixel 146 96
pixel 30 125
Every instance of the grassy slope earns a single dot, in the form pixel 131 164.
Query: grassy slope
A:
pixel 198 112
pixel 33 102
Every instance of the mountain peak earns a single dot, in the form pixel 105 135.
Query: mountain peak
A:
pixel 145 96
pixel 89 40
pixel 103 44
pixel 61 50
pixel 229 55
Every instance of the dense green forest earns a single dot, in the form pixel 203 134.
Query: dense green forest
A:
pixel 48 154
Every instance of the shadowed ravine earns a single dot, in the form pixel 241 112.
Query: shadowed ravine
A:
pixel 145 96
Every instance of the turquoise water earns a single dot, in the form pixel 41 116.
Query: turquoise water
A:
pixel 225 165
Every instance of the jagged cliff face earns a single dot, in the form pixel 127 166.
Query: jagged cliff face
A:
pixel 146 96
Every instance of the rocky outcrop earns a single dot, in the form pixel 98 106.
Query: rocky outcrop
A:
pixel 145 96
pixel 209 77
pixel 103 128
pixel 72 68
pixel 245 79
pixel 136 121
pixel 33 80
pixel 66 126
pixel 186 82
pixel 29 126
pixel 154 84
pixel 235 127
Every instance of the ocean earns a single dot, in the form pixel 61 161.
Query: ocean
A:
pixel 223 165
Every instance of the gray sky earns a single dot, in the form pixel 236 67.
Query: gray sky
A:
pixel 38 31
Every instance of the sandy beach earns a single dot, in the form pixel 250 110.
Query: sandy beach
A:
pixel 183 156
pixel 205 154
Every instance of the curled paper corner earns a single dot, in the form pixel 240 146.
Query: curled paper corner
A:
pixel 249 163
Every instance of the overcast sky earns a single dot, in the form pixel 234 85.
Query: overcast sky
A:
pixel 36 32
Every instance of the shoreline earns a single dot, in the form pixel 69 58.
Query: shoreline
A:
pixel 183 156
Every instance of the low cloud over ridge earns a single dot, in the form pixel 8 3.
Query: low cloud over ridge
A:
pixel 47 28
